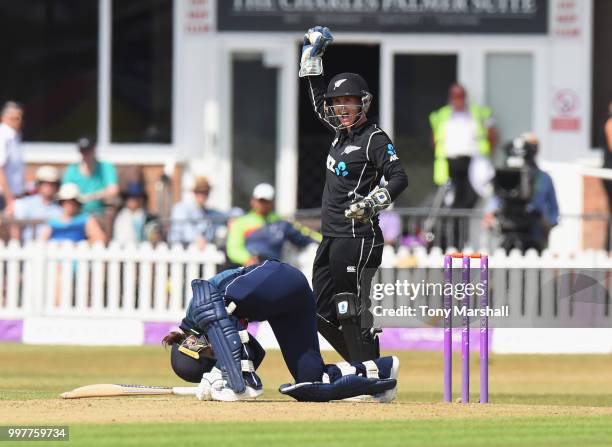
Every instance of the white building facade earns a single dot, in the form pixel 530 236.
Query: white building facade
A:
pixel 238 113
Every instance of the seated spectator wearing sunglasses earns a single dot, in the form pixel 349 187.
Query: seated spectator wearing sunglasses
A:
pixel 73 225
pixel 41 206
pixel 194 222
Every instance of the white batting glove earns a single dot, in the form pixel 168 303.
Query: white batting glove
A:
pixel 210 380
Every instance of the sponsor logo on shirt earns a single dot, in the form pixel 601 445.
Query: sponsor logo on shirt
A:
pixel 391 151
pixel 340 170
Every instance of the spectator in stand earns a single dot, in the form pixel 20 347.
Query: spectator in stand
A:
pixel 40 206
pixel 260 234
pixel 192 221
pixel 463 133
pixel 74 224
pixel 97 180
pixel 12 178
pixel 132 221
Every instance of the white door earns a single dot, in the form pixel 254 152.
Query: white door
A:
pixel 260 126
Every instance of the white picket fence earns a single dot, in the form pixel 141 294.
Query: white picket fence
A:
pixel 153 283
pixel 66 279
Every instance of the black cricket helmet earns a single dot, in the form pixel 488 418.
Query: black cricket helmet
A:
pixel 189 368
pixel 346 84
pixel 190 365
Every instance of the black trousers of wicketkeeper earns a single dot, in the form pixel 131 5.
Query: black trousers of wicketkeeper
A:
pixel 345 264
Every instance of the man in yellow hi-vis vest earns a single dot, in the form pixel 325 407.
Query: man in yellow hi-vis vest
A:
pixel 461 131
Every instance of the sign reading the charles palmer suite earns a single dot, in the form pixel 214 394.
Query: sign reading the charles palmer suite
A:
pixel 387 16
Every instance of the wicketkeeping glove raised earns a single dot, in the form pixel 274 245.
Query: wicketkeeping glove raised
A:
pixel 315 42
pixel 368 207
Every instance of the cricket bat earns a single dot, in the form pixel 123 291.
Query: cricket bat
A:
pixel 109 390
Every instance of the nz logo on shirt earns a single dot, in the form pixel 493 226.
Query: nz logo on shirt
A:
pixel 391 151
pixel 347 150
pixel 340 170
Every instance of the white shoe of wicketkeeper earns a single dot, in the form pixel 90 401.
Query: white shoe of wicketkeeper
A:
pixel 387 396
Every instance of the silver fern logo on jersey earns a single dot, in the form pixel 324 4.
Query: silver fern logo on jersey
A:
pixel 347 150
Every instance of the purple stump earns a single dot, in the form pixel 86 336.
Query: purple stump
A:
pixel 448 330
pixel 484 332
pixel 465 335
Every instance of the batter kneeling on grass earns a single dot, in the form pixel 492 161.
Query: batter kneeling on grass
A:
pixel 215 349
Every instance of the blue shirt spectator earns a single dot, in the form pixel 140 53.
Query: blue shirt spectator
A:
pixel 40 206
pixel 192 221
pixel 544 201
pixel 73 225
pixel 72 229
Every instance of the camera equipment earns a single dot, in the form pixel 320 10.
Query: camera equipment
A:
pixel 514 187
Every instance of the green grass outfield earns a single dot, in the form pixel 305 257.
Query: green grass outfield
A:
pixel 535 431
pixel 535 401
pixel 539 431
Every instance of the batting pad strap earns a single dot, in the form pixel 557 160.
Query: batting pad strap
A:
pixel 371 369
pixel 231 307
pixel 244 336
pixel 247 366
pixel 346 369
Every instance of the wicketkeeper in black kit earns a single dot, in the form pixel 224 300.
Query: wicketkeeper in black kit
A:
pixel 364 175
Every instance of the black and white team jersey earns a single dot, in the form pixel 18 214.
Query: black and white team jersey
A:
pixel 356 162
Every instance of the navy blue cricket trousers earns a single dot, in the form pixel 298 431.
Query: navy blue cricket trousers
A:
pixel 280 294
